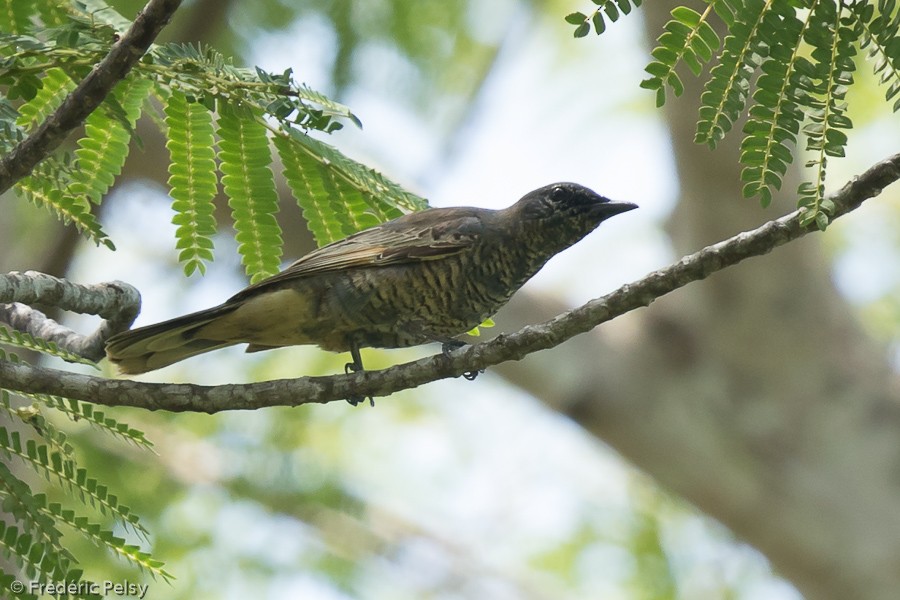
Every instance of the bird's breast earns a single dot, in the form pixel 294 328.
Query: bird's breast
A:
pixel 388 306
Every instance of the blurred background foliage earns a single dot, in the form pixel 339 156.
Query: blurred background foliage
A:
pixel 457 490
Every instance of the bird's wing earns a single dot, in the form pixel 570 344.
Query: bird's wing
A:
pixel 409 239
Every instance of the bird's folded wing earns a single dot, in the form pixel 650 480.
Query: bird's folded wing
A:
pixel 388 244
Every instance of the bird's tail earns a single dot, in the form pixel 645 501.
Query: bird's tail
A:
pixel 157 346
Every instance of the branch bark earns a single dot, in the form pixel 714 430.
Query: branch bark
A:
pixel 88 95
pixel 28 379
pixel 116 302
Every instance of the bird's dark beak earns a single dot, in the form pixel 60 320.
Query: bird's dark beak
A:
pixel 608 209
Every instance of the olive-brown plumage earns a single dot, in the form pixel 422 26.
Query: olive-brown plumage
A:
pixel 424 277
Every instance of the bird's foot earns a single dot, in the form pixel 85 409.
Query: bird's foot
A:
pixel 356 367
pixel 471 375
pixel 448 346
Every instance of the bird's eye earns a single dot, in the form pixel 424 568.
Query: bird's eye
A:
pixel 557 194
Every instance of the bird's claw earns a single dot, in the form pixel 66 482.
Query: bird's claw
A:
pixel 355 400
pixel 449 346
pixel 354 367
pixel 471 375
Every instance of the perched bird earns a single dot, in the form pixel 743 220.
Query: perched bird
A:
pixel 428 276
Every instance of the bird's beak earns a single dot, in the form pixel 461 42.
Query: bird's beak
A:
pixel 610 209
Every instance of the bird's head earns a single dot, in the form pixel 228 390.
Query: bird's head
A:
pixel 564 213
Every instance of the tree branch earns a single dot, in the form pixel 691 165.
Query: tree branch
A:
pixel 124 54
pixel 28 379
pixel 117 302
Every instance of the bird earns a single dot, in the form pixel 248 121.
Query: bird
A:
pixel 427 276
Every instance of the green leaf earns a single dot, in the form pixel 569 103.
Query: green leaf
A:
pixel 36 528
pixel 336 192
pixel 625 6
pixel 45 192
pixel 101 12
pixel 244 159
pixel 67 474
pixel 306 177
pixel 683 40
pixel 690 59
pixel 55 86
pixel 192 180
pixel 25 340
pixel 17 15
pixel 332 199
pixel 687 16
pixel 328 105
pixel 106 538
pixel 709 36
pixel 102 151
pixel 833 50
pixel 31 416
pixel 599 23
pixel 725 93
pixel 776 117
pixel 611 11
pixel 880 35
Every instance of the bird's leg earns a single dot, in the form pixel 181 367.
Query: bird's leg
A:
pixel 355 367
pixel 448 346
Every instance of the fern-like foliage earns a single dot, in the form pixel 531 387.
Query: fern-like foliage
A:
pixel 39 546
pixel 249 184
pixel 688 39
pixel 325 182
pixel 64 471
pixel 800 57
pixel 34 540
pixel 20 339
pixel 42 192
pixel 100 419
pixel 16 14
pixel 322 213
pixel 727 90
pixel 47 185
pixel 192 83
pixel 879 37
pixel 826 86
pixel 102 537
pixel 607 10
pixel 775 120
pixel 21 543
pixel 104 147
pixel 54 87
pixel 192 179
